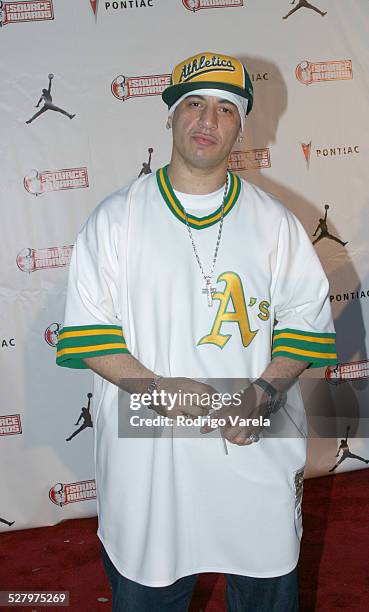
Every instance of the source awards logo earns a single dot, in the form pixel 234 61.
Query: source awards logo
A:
pixel 63 494
pixel 10 424
pixel 51 334
pixel 346 372
pixel 316 72
pixel 124 88
pixel 19 12
pixel 30 260
pixel 254 159
pixel 198 5
pixel 39 182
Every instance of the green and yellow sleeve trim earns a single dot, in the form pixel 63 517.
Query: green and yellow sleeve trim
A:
pixel 318 349
pixel 177 209
pixel 76 343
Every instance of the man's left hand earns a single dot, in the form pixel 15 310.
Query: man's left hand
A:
pixel 254 404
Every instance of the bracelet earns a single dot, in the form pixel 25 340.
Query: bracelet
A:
pixel 153 386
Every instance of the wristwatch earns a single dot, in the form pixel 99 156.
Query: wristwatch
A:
pixel 276 398
pixel 153 386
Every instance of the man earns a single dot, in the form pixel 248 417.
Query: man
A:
pixel 87 420
pixel 146 166
pixel 177 277
pixel 9 523
pixel 48 104
pixel 346 454
pixel 324 233
pixel 304 4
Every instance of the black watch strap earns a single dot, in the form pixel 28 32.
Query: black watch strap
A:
pixel 277 398
pixel 267 387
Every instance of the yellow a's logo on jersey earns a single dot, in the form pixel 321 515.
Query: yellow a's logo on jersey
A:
pixel 233 292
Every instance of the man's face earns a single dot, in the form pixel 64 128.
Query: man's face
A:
pixel 204 130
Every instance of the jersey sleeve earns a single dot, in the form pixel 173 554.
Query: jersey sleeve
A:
pixel 304 328
pixel 92 323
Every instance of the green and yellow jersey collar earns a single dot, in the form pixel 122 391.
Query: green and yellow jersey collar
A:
pixel 177 209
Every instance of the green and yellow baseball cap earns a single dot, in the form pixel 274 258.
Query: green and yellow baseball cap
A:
pixel 209 71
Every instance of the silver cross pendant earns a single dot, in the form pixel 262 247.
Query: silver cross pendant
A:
pixel 209 290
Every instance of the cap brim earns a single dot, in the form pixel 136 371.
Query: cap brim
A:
pixel 172 93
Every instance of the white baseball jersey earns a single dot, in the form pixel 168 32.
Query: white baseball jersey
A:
pixel 174 506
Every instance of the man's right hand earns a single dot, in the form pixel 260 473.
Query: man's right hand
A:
pixel 129 374
pixel 172 402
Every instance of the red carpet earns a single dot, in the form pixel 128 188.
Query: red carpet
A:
pixel 334 572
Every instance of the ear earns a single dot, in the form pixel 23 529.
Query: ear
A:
pixel 169 122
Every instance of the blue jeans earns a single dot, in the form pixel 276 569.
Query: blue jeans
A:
pixel 243 594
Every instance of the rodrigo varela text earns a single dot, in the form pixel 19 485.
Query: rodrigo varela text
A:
pixel 199 421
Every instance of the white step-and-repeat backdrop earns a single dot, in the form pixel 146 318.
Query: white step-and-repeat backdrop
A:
pixel 81 115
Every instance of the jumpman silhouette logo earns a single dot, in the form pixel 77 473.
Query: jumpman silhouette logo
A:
pixel 86 416
pixel 48 103
pixel 10 523
pixel 303 4
pixel 146 168
pixel 323 227
pixel 344 448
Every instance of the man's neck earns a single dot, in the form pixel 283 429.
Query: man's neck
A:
pixel 197 181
